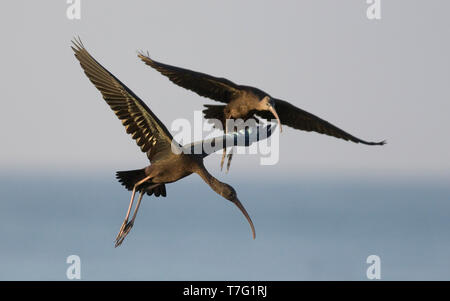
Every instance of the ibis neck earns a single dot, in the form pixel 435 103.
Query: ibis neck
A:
pixel 215 184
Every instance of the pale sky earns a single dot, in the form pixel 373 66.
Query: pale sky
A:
pixel 385 79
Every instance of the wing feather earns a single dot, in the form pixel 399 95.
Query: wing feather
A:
pixel 219 89
pixel 149 132
pixel 299 119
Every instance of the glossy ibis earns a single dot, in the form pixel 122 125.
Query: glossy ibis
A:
pixel 245 102
pixel 169 160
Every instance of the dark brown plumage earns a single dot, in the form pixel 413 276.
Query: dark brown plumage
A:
pixel 169 160
pixel 247 102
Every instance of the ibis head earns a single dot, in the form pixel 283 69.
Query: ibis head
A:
pixel 268 104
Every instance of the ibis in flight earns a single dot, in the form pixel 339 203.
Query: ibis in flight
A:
pixel 169 160
pixel 245 102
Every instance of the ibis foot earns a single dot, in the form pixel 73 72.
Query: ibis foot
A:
pixel 229 157
pixel 124 233
pixel 121 229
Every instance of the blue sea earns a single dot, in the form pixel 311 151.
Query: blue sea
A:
pixel 318 228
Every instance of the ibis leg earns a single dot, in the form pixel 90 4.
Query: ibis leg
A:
pixel 128 213
pixel 224 149
pixel 223 158
pixel 229 157
pixel 130 206
pixel 129 224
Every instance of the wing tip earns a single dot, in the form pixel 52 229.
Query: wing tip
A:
pixel 373 143
pixel 379 143
pixel 76 41
pixel 77 45
pixel 144 57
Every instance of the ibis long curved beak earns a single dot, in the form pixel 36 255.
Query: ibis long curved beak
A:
pixel 241 207
pixel 272 110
